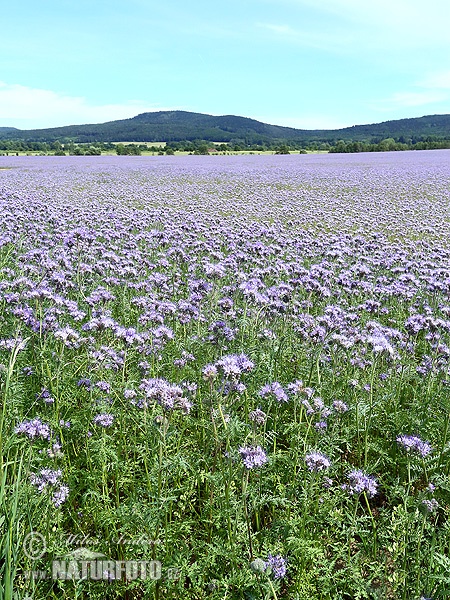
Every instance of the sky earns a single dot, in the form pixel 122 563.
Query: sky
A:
pixel 309 64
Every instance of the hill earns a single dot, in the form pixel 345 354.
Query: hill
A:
pixel 8 130
pixel 172 126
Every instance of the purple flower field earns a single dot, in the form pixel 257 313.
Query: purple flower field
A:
pixel 208 361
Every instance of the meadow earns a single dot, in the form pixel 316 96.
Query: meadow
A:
pixel 231 371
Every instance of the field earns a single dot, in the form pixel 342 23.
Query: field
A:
pixel 225 377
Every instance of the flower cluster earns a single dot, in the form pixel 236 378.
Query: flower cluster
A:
pixel 34 428
pixel 360 483
pixel 412 442
pixel 49 478
pixel 253 456
pixel 316 461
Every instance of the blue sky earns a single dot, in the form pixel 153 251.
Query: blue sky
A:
pixel 302 63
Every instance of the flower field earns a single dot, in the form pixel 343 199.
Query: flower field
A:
pixel 230 370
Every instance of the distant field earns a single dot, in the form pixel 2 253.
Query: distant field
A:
pixel 225 378
pixel 156 144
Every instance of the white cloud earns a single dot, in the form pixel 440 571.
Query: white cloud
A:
pixel 429 91
pixel 33 108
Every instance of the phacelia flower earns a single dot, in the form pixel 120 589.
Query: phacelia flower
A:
pixel 360 482
pixel 34 429
pixel 257 416
pixel 316 461
pixel 412 442
pixel 340 406
pixel 103 419
pixel 253 456
pixel 277 565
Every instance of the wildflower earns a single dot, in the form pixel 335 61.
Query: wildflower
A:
pixel 103 419
pixel 274 389
pixel 431 505
pixel 316 461
pixel 360 482
pixel 277 565
pixel 45 478
pixel 412 442
pixel 230 366
pixel 104 386
pixel 253 456
pixel 209 372
pixel 55 451
pixel 296 387
pixel 184 405
pixel 234 365
pixel 45 396
pixel 34 428
pixel 167 395
pixel 85 383
pixel 60 496
pixel 68 336
pixel 340 406
pixel 257 416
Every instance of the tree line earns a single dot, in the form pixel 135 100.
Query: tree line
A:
pixel 59 148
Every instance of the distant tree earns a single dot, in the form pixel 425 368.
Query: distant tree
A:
pixel 387 144
pixel 202 149
pixel 91 151
pixel 283 149
pixel 132 149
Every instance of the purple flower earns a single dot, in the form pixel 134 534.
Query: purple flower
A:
pixel 431 505
pixel 277 565
pixel 316 461
pixel 104 386
pixel 340 406
pixel 103 419
pixel 45 478
pixel 60 496
pixel 257 416
pixel 209 372
pixel 360 482
pixel 234 365
pixel 85 383
pixel 45 396
pixel 412 442
pixel 274 389
pixel 252 456
pixel 33 429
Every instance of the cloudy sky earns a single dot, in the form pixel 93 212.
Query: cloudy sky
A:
pixel 301 63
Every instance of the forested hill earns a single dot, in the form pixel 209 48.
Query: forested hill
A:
pixel 172 126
